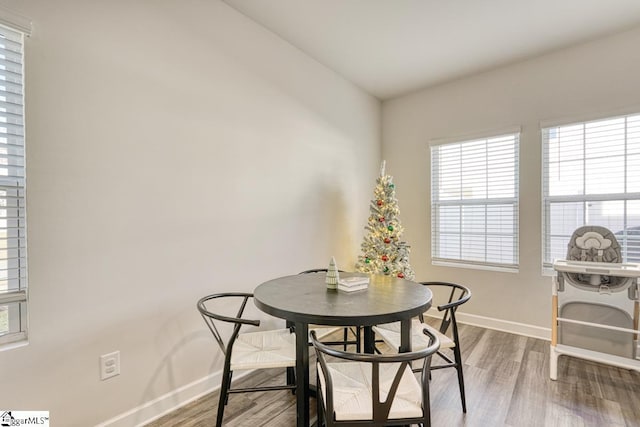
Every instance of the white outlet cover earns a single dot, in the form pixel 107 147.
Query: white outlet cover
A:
pixel 109 365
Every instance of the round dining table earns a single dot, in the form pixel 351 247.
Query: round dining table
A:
pixel 304 299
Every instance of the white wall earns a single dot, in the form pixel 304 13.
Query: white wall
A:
pixel 175 149
pixel 586 81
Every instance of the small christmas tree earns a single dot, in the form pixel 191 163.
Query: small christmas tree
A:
pixel 332 275
pixel 382 250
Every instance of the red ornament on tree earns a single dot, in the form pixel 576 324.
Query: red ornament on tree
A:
pixel 400 275
pixel 385 258
pixel 380 202
pixel 387 240
pixel 381 219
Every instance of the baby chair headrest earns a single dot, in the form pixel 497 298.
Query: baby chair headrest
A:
pixel 594 243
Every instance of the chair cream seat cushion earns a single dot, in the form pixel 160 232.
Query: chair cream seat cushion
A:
pixel 264 349
pixel 390 333
pixel 352 390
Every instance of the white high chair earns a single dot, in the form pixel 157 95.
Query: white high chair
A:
pixel 595 302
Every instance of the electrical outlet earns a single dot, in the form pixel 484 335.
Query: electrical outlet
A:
pixel 109 365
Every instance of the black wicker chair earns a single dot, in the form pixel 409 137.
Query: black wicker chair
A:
pixel 447 332
pixel 373 389
pixel 253 350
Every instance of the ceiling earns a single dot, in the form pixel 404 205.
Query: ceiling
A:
pixel 392 47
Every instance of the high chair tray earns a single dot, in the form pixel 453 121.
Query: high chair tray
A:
pixel 603 268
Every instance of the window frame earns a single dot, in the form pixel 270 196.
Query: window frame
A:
pixel 546 200
pixel 14 300
pixel 487 201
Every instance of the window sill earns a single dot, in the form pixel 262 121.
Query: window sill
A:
pixel 476 266
pixel 11 341
pixel 548 272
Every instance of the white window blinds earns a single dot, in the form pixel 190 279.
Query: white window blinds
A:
pixel 474 202
pixel 13 268
pixel 591 176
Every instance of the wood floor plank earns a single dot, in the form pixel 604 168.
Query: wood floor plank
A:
pixel 507 383
pixel 530 394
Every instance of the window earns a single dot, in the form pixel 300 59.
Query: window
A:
pixel 591 176
pixel 13 268
pixel 474 202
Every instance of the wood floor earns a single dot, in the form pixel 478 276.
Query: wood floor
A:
pixel 507 384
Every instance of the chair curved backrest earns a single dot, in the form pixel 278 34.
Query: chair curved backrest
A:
pixel 210 318
pixel 318 270
pixel 458 295
pixel 380 410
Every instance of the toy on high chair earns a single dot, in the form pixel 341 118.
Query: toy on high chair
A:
pixel 595 303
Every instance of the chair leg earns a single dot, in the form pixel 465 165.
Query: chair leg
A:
pixel 319 411
pixel 226 401
pixel 224 393
pixel 345 337
pixel 427 408
pixel 291 379
pixel 458 359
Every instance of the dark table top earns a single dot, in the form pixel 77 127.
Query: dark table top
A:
pixel 305 298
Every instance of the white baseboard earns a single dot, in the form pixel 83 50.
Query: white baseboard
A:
pixel 500 325
pixel 162 405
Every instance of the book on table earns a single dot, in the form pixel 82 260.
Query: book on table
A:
pixel 352 284
pixel 353 281
pixel 352 288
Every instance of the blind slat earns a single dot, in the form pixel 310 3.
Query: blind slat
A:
pixel 9 87
pixel 12 296
pixel 11 106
